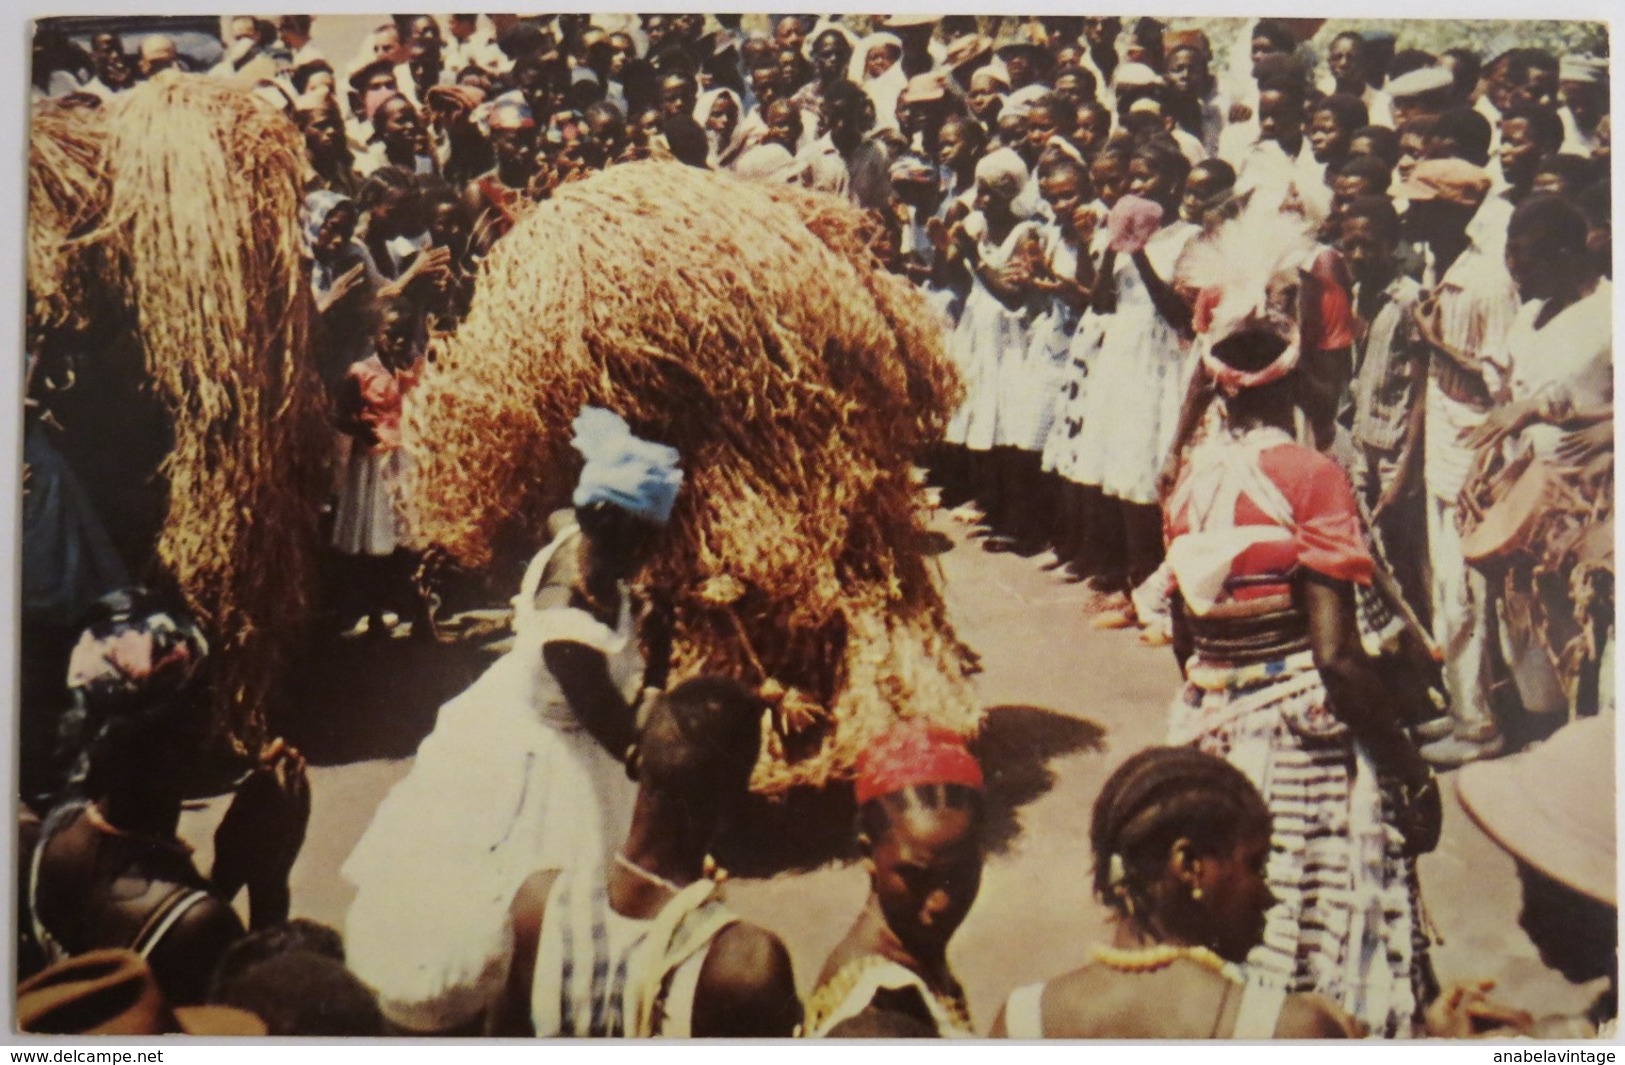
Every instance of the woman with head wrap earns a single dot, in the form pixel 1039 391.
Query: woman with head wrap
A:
pixel 920 811
pixel 343 279
pixel 108 870
pixel 718 113
pixel 875 67
pixel 524 770
pixel 991 340
pixel 1266 552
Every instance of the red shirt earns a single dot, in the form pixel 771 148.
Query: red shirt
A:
pixel 1326 533
pixel 381 393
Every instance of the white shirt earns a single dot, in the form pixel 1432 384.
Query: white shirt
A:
pixel 1571 355
pixel 479 50
pixel 1575 140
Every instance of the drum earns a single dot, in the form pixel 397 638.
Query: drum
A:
pixel 1522 496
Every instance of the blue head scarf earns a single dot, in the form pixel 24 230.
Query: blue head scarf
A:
pixel 639 476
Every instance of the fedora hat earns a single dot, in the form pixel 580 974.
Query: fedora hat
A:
pixel 113 992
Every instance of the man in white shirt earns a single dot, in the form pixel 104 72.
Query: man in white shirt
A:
pixel 1582 85
pixel 843 160
pixel 1555 372
pixel 1349 65
pixel 1465 316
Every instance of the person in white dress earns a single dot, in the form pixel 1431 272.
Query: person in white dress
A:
pixel 990 342
pixel 1067 276
pixel 1140 370
pixel 524 770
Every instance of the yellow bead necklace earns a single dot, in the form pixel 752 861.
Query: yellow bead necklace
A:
pixel 1160 956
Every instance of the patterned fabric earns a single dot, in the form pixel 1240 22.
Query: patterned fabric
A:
pixel 849 992
pixel 133 661
pixel 1346 921
pixel 1393 366
pixel 600 975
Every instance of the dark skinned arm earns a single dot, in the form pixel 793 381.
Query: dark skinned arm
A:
pixel 347 408
pixel 1184 643
pixel 1355 688
pixel 1174 310
pixel 583 676
pixel 1408 470
pixel 1103 300
pixel 509 1014
pixel 1358 696
pixel 184 960
pixel 747 988
pixel 1074 291
pixel 658 629
pixel 1007 291
pixel 1323 376
pixel 1199 395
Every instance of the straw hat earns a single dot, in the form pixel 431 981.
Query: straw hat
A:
pixel 1552 807
pixel 1451 180
pixel 968 50
pixel 113 992
pixel 903 22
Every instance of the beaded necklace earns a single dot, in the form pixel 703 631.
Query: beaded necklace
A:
pixel 643 874
pixel 1153 958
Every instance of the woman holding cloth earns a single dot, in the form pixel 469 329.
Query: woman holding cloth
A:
pixel 524 770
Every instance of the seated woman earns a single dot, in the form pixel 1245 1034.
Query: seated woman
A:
pixel 525 769
pixel 1180 840
pixel 108 870
pixel 919 795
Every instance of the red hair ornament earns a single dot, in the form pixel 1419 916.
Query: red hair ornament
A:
pixel 912 755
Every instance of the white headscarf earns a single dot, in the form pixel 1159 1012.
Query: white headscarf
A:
pixel 885 89
pixel 1003 169
pixel 720 153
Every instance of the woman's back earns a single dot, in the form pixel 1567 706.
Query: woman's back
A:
pixel 1183 1000
pixel 91 888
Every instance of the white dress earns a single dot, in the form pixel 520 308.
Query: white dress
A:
pixel 1035 396
pixel 1137 381
pixel 1063 450
pixel 989 335
pixel 507 784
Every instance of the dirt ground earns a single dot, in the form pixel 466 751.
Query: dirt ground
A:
pixel 1065 705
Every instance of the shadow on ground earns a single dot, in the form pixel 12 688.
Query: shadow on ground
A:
pixel 806 828
pixel 366 698
pixel 1016 747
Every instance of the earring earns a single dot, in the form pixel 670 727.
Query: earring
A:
pixel 1196 894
